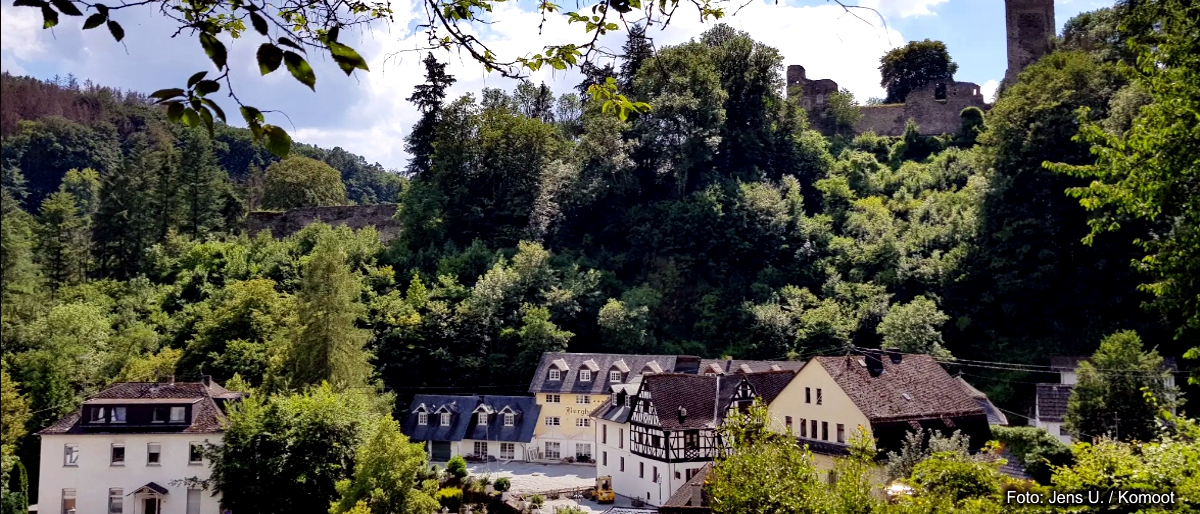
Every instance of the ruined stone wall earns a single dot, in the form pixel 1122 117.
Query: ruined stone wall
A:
pixel 1030 26
pixel 936 108
pixel 283 224
pixel 883 120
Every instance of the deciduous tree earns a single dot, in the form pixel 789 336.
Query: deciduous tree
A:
pixel 914 65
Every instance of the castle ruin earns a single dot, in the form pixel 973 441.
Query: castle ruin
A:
pixel 937 106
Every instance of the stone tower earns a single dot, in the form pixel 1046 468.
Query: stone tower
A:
pixel 1030 25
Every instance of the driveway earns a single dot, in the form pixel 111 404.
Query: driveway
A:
pixel 528 477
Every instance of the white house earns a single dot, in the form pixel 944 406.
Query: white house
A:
pixel 477 427
pixel 134 448
pixel 1050 404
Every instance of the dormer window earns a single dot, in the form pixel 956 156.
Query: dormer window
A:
pixel 422 418
pixel 97 415
pixel 483 419
pixel 118 415
pixel 169 415
pixel 445 419
pixel 585 375
pixel 555 374
pixel 614 376
pixel 510 419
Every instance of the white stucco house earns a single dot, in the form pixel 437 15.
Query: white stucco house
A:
pixel 134 448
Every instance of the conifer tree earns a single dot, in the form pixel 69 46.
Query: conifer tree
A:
pixel 18 273
pixel 428 98
pixel 62 248
pixel 126 223
pixel 328 347
pixel 636 50
pixel 203 186
pixel 84 185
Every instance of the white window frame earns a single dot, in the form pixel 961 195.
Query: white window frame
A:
pixel 181 417
pixel 614 376
pixel 482 419
pixel 422 418
pixel 480 448
pixel 69 494
pixel 112 454
pixel 149 452
pixel 116 501
pixel 508 451
pixel 583 399
pixel 553 421
pixel 585 375
pixel 553 398
pixel 555 374
pixel 70 455
pixel 583 449
pixel 583 422
pixel 557 453
pixel 192 446
pixel 510 419
pixel 193 507
pixel 444 419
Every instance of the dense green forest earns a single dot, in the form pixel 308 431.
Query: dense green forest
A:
pixel 720 222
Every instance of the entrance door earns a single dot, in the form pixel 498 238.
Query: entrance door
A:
pixel 150 506
pixel 441 451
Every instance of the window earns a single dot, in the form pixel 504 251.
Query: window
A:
pixel 641 470
pixel 193 501
pixel 622 464
pixel 553 398
pixel 620 438
pixel 585 375
pixel 841 433
pixel 787 422
pixel 71 455
pixel 482 418
pixel 583 422
pixel 691 439
pixel 97 415
pixel 177 414
pixel 508 450
pixel 481 448
pixel 160 415
pixel 814 429
pixel 583 450
pixel 555 374
pixel 116 501
pixel 614 376
pixel 824 430
pixel 195 453
pixel 604 458
pixel 118 455
pixel 445 419
pixel 818 396
pixel 118 414
pixel 553 421
pixel 553 450
pixel 583 399
pixel 153 454
pixel 807 395
pixel 68 501
pixel 803 427
pixel 510 419
pixel 603 434
pixel 422 418
pixel 654 474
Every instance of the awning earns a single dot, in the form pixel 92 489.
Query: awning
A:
pixel 150 488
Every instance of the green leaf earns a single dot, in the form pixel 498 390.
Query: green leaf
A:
pixel 288 42
pixel 196 78
pixel 259 23
pixel 49 17
pixel 93 21
pixel 174 111
pixel 215 108
pixel 269 56
pixel 166 94
pixel 102 9
pixel 190 117
pixel 215 49
pixel 117 32
pixel 333 35
pixel 207 118
pixel 251 115
pixel 278 140
pixel 66 7
pixel 29 3
pixel 347 58
pixel 205 87
pixel 300 69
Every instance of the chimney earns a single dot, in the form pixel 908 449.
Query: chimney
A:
pixel 895 355
pixel 682 414
pixel 698 494
pixel 874 364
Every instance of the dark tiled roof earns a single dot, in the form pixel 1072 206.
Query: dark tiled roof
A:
pixel 1071 362
pixel 908 387
pixel 525 409
pixel 683 496
pixel 1052 401
pixel 460 408
pixel 994 415
pixel 1012 467
pixel 697 393
pixel 602 363
pixel 731 366
pixel 207 415
pixel 150 487
pixel 768 384
pixel 822 447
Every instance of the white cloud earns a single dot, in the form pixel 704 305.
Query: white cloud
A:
pixel 902 8
pixel 19 27
pixel 989 90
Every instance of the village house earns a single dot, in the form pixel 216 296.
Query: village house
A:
pixel 135 448
pixel 1050 402
pixel 654 436
pixel 475 427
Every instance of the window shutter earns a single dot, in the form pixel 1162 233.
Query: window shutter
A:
pixel 193 501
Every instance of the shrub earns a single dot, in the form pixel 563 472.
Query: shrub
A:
pixel 537 501
pixel 457 466
pixel 450 498
pixel 956 477
pixel 502 484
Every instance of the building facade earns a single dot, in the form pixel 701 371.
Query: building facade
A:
pixel 1050 402
pixel 134 448
pixel 479 428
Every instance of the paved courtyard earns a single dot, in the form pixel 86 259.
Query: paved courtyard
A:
pixel 529 477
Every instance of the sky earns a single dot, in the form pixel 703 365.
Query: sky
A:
pixel 367 113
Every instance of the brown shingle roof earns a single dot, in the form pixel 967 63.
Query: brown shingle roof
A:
pixel 696 393
pixel 731 366
pixel 908 387
pixel 683 496
pixel 1052 401
pixel 207 416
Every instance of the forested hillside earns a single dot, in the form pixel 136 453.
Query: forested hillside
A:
pixel 718 223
